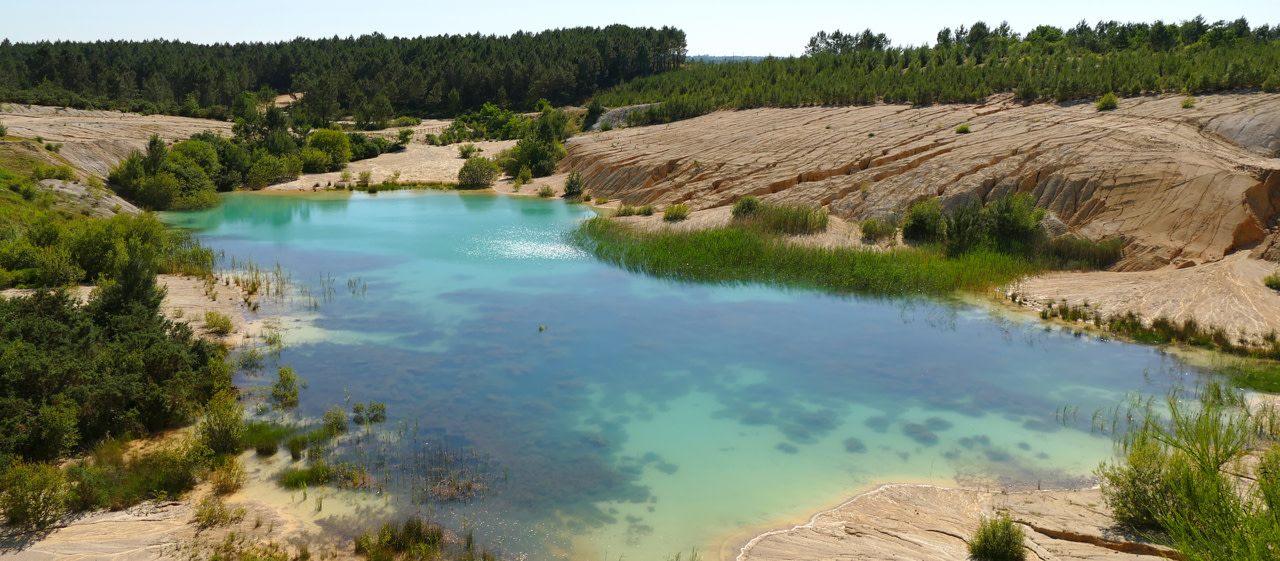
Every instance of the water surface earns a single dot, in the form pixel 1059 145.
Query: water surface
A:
pixel 636 417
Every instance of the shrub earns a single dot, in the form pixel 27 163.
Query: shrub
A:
pixel 469 150
pixel 876 230
pixel 314 161
pixel 606 126
pixel 33 495
pixel 745 206
pixel 1272 281
pixel 1189 102
pixel 626 210
pixel 366 177
pixel 406 121
pixel 222 429
pixel 676 213
pixel 217 323
pixel 646 210
pixel 284 392
pixel 1108 102
pixel 968 227
pixel 997 539
pixel 4 131
pixel 524 176
pixel 335 421
pixel 962 129
pixel 924 222
pixel 602 200
pixel 478 172
pixel 546 192
pixel 573 185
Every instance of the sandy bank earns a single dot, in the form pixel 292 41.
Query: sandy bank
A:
pixel 908 521
pixel 418 162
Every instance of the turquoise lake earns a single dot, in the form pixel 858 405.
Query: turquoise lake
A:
pixel 647 417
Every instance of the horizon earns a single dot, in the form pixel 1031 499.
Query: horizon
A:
pixel 751 29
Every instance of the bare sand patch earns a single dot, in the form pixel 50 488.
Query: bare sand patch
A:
pixel 418 162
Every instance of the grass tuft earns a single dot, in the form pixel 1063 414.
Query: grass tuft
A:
pixel 676 213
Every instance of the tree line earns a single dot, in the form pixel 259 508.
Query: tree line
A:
pixel 368 76
pixel 966 65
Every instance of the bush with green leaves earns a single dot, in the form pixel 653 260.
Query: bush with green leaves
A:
pixel 1108 102
pixel 469 150
pixel 33 495
pixel 284 392
pixel 676 213
pixel 876 230
pixel 924 222
pixel 546 192
pixel 218 323
pixel 4 131
pixel 1272 281
pixel 962 129
pixel 222 428
pixel 997 539
pixel 745 206
pixel 573 185
pixel 478 172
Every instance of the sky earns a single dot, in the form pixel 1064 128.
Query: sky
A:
pixel 746 27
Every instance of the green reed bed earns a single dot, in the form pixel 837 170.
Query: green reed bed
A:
pixel 745 255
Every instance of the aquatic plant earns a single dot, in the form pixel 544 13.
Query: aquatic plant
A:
pixel 781 219
pixel 738 255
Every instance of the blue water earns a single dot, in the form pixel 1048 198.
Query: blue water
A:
pixel 650 416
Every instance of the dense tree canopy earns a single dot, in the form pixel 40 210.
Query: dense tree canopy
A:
pixel 369 76
pixel 969 64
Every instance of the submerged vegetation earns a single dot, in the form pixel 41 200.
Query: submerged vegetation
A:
pixel 965 65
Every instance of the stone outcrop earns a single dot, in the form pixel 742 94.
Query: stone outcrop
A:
pixel 1179 185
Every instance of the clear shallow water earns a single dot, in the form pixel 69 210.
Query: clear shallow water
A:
pixel 651 416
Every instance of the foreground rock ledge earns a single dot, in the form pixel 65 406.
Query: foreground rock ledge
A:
pixel 905 521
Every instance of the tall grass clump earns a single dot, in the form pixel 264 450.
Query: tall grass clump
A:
pixel 1179 480
pixel 784 219
pixel 997 539
pixel 741 255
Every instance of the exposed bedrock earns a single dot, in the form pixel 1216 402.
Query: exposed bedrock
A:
pixel 1182 186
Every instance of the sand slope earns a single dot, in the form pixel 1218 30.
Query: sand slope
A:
pixel 1181 185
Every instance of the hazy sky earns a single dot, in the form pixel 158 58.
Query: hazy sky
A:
pixel 747 27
